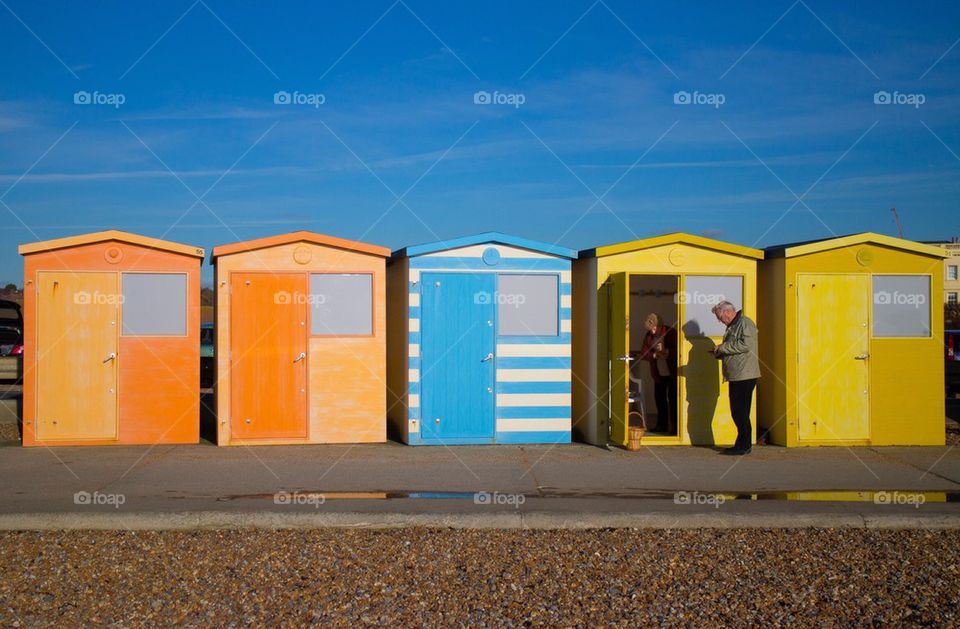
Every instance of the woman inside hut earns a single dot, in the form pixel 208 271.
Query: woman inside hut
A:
pixel 660 352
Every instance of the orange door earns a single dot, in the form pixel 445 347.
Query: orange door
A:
pixel 77 358
pixel 268 355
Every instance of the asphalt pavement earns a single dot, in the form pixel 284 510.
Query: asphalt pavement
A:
pixel 542 486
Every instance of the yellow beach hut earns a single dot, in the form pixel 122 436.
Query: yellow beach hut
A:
pixel 851 350
pixel 679 277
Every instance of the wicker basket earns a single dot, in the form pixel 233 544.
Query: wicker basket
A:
pixel 634 436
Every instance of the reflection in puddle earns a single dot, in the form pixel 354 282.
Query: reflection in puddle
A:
pixel 880 497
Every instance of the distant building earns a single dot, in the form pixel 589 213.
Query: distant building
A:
pixel 951 280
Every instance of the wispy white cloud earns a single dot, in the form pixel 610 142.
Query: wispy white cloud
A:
pixel 786 160
pixel 156 173
pixel 228 113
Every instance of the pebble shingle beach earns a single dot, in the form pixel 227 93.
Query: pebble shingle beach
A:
pixel 423 577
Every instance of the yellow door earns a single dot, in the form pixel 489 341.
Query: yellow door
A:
pixel 77 358
pixel 619 355
pixel 833 357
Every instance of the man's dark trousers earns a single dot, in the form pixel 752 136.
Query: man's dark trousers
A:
pixel 741 397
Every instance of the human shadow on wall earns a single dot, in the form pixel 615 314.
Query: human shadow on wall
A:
pixel 702 377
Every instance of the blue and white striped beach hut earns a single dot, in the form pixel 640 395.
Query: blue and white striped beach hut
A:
pixel 478 343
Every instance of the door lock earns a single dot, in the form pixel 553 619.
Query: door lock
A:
pixel 861 357
pixel 625 359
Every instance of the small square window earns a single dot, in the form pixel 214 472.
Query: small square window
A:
pixel 341 304
pixel 154 304
pixel 952 272
pixel 528 305
pixel 952 298
pixel 901 305
pixel 700 294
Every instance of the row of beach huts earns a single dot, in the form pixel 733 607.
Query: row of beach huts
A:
pixel 487 339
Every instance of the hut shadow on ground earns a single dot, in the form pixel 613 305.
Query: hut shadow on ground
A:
pixel 702 378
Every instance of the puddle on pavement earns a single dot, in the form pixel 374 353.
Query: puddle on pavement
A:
pixel 892 497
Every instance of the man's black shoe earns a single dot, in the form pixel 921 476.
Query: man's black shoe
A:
pixel 734 451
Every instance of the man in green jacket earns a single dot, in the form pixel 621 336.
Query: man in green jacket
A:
pixel 741 369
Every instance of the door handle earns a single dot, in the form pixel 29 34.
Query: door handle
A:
pixel 861 357
pixel 112 356
pixel 300 357
pixel 487 357
pixel 625 359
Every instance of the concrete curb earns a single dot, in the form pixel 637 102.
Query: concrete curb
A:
pixel 214 520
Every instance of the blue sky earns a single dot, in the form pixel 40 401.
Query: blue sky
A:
pixel 399 153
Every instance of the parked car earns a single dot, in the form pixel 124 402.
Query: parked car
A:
pixel 11 340
pixel 951 343
pixel 207 364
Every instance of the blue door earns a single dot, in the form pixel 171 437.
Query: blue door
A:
pixel 457 365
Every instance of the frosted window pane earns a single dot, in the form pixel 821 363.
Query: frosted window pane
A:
pixel 703 292
pixel 154 304
pixel 528 305
pixel 901 305
pixel 341 304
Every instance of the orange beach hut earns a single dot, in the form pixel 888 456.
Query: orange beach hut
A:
pixel 111 341
pixel 301 340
